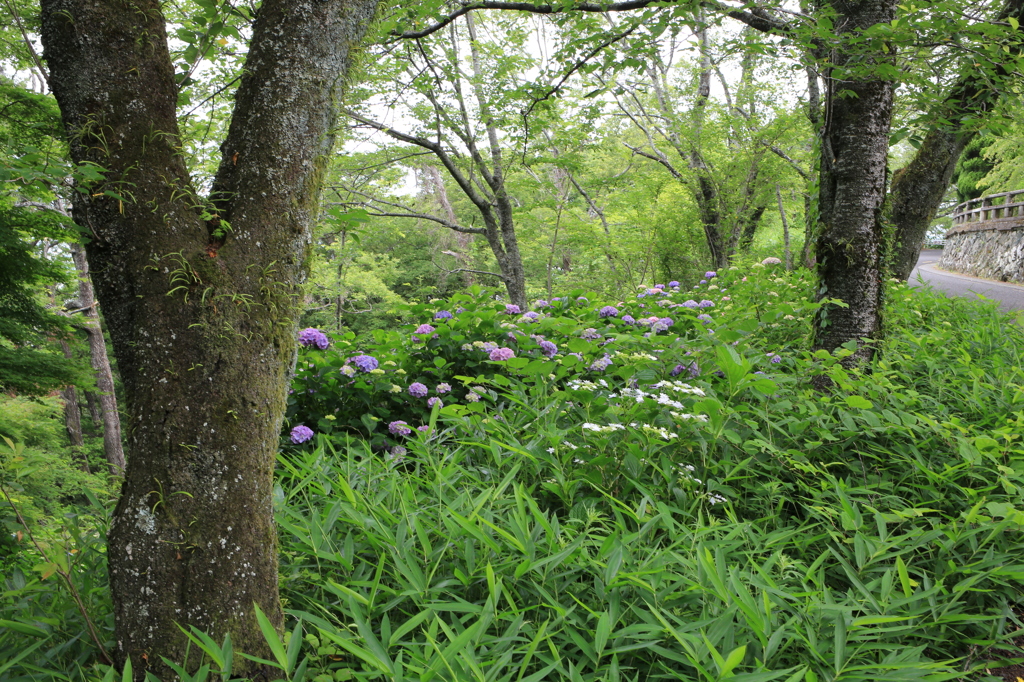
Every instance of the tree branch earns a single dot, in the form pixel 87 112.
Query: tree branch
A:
pixel 757 18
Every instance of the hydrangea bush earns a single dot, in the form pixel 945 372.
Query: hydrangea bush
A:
pixel 751 317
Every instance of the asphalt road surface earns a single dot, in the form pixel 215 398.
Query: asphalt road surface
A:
pixel 1010 296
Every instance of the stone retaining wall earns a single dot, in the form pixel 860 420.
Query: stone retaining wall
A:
pixel 995 253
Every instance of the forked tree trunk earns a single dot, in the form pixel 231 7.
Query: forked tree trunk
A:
pixel 855 144
pixel 203 325
pixel 73 417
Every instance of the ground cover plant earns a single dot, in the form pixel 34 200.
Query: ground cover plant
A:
pixel 650 500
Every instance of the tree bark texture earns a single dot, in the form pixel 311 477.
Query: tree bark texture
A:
pixel 918 188
pixel 855 144
pixel 202 318
pixel 111 419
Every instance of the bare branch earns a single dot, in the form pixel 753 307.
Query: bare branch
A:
pixel 478 272
pixel 757 18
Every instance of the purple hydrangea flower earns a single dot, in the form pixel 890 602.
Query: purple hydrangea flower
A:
pixel 365 363
pixel 694 369
pixel 659 286
pixel 667 321
pixel 628 319
pixel 706 319
pixel 710 274
pixel 531 316
pixel 548 349
pixel 434 401
pixel 677 370
pixel 512 309
pixel 423 428
pixel 703 281
pixel 501 354
pixel 608 311
pixel 706 304
pixel 424 329
pixel 489 346
pixel 674 284
pixel 399 428
pixel 601 364
pixel 311 336
pixel 590 334
pixel 301 433
pixel 443 388
pixel 418 390
pixel 443 315
pixel 691 304
pixel 775 358
pixel 460 310
pixel 541 303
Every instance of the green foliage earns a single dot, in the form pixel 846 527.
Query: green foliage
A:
pixel 972 168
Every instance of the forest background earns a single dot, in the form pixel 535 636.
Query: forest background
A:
pixel 596 151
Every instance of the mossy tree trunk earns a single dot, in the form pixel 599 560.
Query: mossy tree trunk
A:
pixel 201 299
pixel 855 144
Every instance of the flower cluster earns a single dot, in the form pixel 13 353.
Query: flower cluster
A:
pixel 501 354
pixel 365 363
pixel 312 337
pixel 301 434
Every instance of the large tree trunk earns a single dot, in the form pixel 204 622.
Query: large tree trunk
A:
pixel 112 448
pixel 918 188
pixel 855 144
pixel 202 320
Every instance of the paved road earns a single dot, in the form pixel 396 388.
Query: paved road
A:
pixel 1010 296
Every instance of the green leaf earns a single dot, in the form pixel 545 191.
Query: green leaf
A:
pixel 857 402
pixel 273 639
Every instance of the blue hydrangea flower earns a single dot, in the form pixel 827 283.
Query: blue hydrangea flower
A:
pixel 710 274
pixel 691 304
pixel 512 309
pixel 443 315
pixel 365 363
pixel 434 401
pixel 628 319
pixel 548 349
pixel 301 433
pixel 418 390
pixel 601 364
pixel 706 304
pixel 706 319
pixel 674 284
pixel 608 311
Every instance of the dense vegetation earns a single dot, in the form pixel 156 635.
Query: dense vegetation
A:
pixel 649 498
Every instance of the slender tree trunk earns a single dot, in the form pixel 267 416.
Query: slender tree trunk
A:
pixel 202 319
pixel 785 230
pixel 111 419
pixel 855 145
pixel 92 403
pixel 73 417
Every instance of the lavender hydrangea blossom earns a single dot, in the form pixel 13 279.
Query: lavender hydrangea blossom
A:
pixel 674 284
pixel 710 274
pixel 418 390
pixel 399 428
pixel 311 336
pixel 301 434
pixel 443 388
pixel 434 401
pixel 512 309
pixel 548 349
pixel 608 311
pixel 443 315
pixel 706 319
pixel 601 364
pixel 365 363
pixel 628 319
pixel 590 334
pixel 706 304
pixel 691 304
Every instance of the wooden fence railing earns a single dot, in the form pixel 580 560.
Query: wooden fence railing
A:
pixel 996 211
